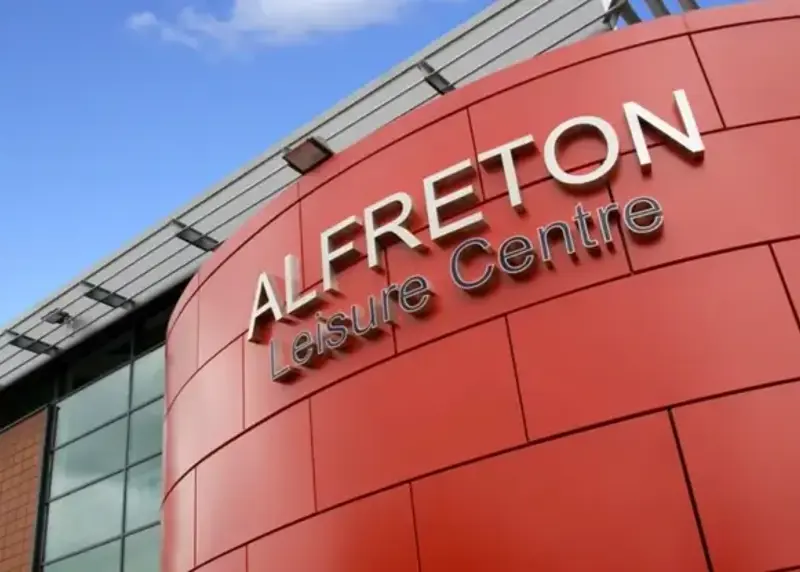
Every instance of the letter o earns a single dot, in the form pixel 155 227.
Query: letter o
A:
pixel 579 180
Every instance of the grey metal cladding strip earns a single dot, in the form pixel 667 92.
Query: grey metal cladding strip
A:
pixel 625 11
pixel 550 46
pixel 379 85
pixel 629 14
pixel 257 204
pixel 658 8
pixel 275 171
pixel 223 223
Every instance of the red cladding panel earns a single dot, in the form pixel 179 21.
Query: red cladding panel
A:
pixel 788 256
pixel 376 533
pixel 537 107
pixel 617 338
pixel 743 193
pixel 178 522
pixel 749 67
pixel 259 495
pixel 264 398
pixel 235 561
pixel 207 414
pixel 181 353
pixel 271 210
pixel 455 309
pixel 420 414
pixel 424 153
pixel 235 282
pixel 610 499
pixel 631 408
pixel 186 296
pixel 744 465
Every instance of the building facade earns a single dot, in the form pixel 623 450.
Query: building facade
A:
pixel 80 453
pixel 546 320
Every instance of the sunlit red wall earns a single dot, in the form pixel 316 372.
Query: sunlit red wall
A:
pixel 634 411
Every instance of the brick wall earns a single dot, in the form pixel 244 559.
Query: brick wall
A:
pixel 20 452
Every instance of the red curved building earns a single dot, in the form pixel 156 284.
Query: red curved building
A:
pixel 481 315
pixel 629 404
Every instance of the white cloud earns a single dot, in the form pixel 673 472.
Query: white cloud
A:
pixel 147 21
pixel 269 21
pixel 142 21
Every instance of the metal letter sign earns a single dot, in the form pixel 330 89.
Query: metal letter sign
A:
pixel 516 257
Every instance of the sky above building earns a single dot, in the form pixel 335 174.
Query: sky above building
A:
pixel 113 115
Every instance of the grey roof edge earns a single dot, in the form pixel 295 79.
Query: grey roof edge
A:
pixel 272 152
pixel 343 105
pixel 139 245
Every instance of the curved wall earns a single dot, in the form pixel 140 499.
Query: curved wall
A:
pixel 632 410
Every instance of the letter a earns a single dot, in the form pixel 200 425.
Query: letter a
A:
pixel 265 301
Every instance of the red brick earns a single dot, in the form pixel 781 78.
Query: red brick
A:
pixel 19 480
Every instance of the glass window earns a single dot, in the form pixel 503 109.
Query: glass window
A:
pixel 85 517
pixel 148 377
pixel 147 427
pixel 102 559
pixel 92 406
pixel 103 508
pixel 89 458
pixel 143 494
pixel 143 551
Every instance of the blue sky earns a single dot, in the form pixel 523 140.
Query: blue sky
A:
pixel 115 114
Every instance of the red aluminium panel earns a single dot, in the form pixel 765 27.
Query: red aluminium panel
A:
pixel 608 499
pixel 743 459
pixel 629 408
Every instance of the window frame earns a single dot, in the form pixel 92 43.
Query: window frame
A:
pixel 41 561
